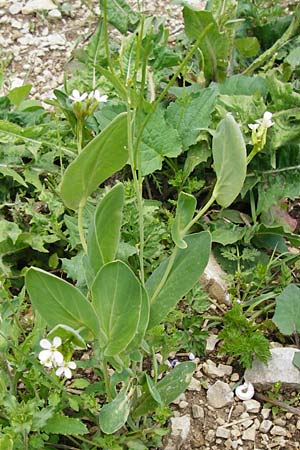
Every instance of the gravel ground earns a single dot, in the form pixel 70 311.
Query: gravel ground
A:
pixel 35 47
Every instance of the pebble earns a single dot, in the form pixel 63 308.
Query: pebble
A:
pixel 198 412
pixel 194 385
pixel 223 433
pixel 235 377
pixel 265 412
pixel 55 13
pixel 252 406
pixel 265 426
pixel 219 394
pixel 211 343
pixel 183 404
pixel 278 431
pixel 38 5
pixel 15 8
pixel 279 421
pixel 214 371
pixel 249 434
pixel 181 426
pixel 180 398
pixel 298 424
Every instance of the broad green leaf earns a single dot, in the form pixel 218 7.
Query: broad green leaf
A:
pixel 59 302
pixel 191 112
pixel 104 233
pixel 101 158
pixel 247 46
pixel 169 388
pixel 197 154
pixel 120 14
pixel 296 360
pixel 187 268
pixel 293 58
pixel 142 325
pixel 152 390
pixel 67 333
pixel 159 140
pixel 18 94
pixel 12 173
pixel 9 230
pixel 184 213
pixel 67 426
pixel 246 107
pixel 287 311
pixel 215 45
pixel 114 415
pixel 243 85
pixel 117 299
pixel 230 161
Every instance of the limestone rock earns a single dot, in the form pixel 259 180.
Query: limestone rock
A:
pixel 219 394
pixel 278 431
pixel 252 406
pixel 198 412
pixel 38 5
pixel 265 426
pixel 280 368
pixel 223 433
pixel 249 434
pixel 181 426
pixel 213 281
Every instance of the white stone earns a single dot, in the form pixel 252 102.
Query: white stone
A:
pixel 234 377
pixel 219 394
pixel 198 412
pixel 55 14
pixel 265 426
pixel 223 433
pixel 15 8
pixel 211 343
pixel 180 398
pixel 56 39
pixel 183 404
pixel 194 385
pixel 213 281
pixel 265 412
pixel 16 82
pixel 249 434
pixel 280 368
pixel 252 406
pixel 181 426
pixel 210 368
pixel 278 431
pixel 298 424
pixel 38 5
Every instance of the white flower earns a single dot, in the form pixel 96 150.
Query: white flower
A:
pixel 51 356
pixel 265 122
pixel 96 96
pixel 267 119
pixel 245 391
pixel 76 97
pixel 65 369
pixel 192 356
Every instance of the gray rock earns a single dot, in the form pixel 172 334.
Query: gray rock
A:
pixel 38 5
pixel 265 426
pixel 249 434
pixel 15 8
pixel 213 281
pixel 211 343
pixel 181 426
pixel 278 431
pixel 55 13
pixel 214 371
pixel 219 394
pixel 252 406
pixel 194 385
pixel 183 404
pixel 198 412
pixel 298 424
pixel 265 412
pixel 223 433
pixel 280 368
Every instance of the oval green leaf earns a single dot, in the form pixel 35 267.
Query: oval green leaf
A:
pixel 187 268
pixel 101 158
pixel 117 298
pixel 104 233
pixel 287 311
pixel 169 388
pixel 230 161
pixel 114 415
pixel 60 302
pixel 184 213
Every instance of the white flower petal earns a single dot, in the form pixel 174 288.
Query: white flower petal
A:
pixel 44 343
pixel 253 126
pixel 267 116
pixel 103 98
pixel 44 355
pixel 60 371
pixel 56 342
pixel 72 365
pixel 57 358
pixel 68 373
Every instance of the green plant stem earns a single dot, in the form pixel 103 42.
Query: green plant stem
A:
pixel 199 215
pixel 106 38
pixel 106 379
pixel 287 35
pixel 165 275
pixel 170 83
pixel 262 311
pixel 79 135
pixel 80 228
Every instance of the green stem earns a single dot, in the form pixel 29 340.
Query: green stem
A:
pixel 79 135
pixel 106 380
pixel 80 228
pixel 287 35
pixel 199 215
pixel 165 275
pixel 106 39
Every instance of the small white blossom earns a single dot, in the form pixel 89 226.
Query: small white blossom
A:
pixel 245 391
pixel 192 356
pixel 50 356
pixel 76 97
pixel 96 96
pixel 64 369
pixel 266 121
